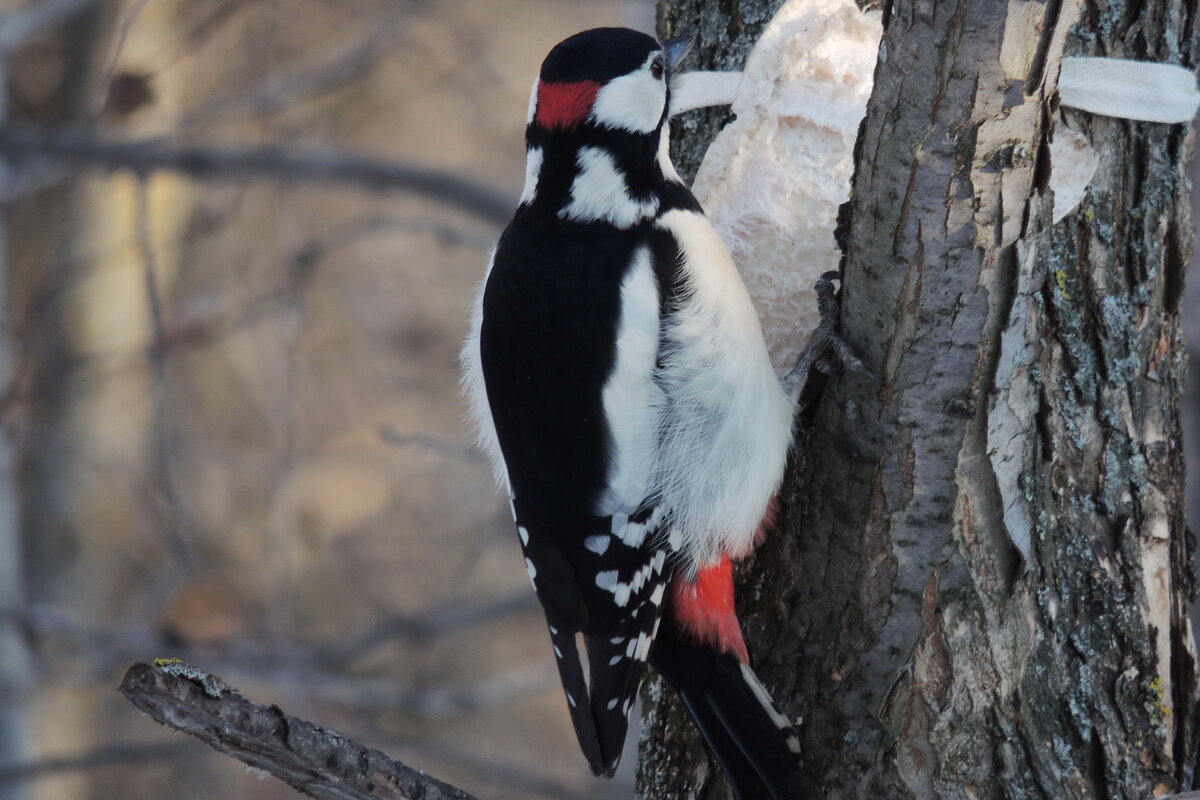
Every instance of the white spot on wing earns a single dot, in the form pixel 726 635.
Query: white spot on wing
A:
pixel 634 534
pixel 612 704
pixel 599 192
pixel 607 580
pixel 557 652
pixel 657 596
pixel 531 569
pixel 523 533
pixel 621 595
pixel 643 647
pixel 597 544
pixel 639 579
pixel 612 662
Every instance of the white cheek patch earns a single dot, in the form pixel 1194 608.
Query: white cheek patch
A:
pixel 632 102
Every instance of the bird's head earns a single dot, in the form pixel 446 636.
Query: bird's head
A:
pixel 596 133
pixel 609 78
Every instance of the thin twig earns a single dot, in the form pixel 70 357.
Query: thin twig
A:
pixel 273 162
pixel 432 443
pixel 314 760
pixel 106 648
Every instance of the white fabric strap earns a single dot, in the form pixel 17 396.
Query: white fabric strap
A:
pixel 1112 87
pixel 1139 90
pixel 700 89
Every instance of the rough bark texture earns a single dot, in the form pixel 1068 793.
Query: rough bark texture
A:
pixel 980 582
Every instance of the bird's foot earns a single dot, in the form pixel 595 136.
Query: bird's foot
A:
pixel 825 345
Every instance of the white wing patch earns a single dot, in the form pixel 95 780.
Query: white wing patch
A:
pixel 599 192
pixel 631 400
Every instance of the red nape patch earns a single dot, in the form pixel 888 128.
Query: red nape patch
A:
pixel 704 609
pixel 563 105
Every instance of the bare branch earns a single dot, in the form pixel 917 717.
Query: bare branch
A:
pixel 317 761
pixel 313 669
pixel 271 162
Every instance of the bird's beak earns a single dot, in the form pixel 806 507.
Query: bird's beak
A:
pixel 676 50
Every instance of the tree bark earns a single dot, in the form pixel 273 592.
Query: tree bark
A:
pixel 980 580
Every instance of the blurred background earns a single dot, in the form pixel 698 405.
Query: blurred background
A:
pixel 231 399
pixel 235 433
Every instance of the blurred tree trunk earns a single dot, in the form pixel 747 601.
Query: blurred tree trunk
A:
pixel 50 78
pixel 16 665
pixel 980 584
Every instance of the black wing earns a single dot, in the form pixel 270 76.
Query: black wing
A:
pixel 551 312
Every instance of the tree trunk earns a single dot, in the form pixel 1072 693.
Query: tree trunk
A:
pixel 980 582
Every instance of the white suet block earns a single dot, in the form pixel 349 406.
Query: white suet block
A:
pixel 772 180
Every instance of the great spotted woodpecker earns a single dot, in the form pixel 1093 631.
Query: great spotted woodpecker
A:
pixel 617 373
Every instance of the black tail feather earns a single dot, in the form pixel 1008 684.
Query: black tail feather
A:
pixel 614 691
pixel 570 671
pixel 755 746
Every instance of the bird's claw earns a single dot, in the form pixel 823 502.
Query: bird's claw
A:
pixel 826 342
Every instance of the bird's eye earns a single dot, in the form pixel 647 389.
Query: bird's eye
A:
pixel 656 68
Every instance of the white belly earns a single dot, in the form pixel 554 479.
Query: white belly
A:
pixel 727 425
